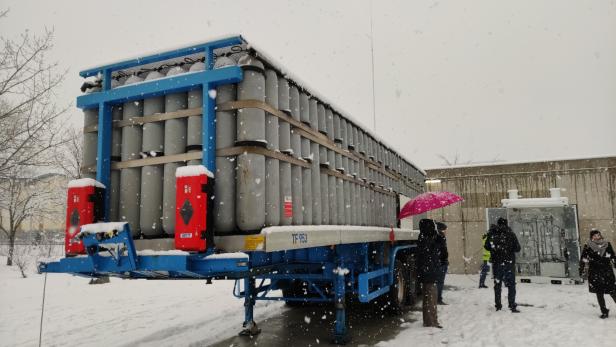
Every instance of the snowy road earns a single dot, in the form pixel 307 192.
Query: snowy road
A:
pixel 190 313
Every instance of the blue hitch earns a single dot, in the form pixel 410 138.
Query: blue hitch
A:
pixel 112 245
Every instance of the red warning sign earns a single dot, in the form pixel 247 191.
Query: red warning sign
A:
pixel 288 207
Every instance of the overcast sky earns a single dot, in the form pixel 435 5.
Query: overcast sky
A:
pixel 483 80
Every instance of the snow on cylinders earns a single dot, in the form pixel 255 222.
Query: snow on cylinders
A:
pixel 272 165
pixel 193 128
pixel 151 208
pixel 130 178
pixel 301 162
pixel 284 134
pixel 250 212
pixel 306 154
pixel 331 163
pixel 296 171
pixel 90 138
pixel 175 143
pixel 116 156
pixel 322 126
pixel 315 167
pixel 224 185
pixel 339 181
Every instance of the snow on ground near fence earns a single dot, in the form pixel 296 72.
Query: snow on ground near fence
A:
pixel 181 313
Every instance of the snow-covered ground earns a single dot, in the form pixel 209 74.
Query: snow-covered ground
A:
pixel 560 315
pixel 182 313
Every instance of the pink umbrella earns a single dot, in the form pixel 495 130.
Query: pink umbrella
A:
pixel 427 202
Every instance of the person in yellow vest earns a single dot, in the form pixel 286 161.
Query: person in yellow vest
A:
pixel 485 267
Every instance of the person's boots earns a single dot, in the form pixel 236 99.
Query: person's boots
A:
pixel 604 313
pixel 483 286
pixel 515 310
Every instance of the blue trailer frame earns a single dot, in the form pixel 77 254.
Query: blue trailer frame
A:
pixel 328 273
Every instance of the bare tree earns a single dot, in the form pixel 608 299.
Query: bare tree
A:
pixel 23 196
pixel 455 160
pixel 452 161
pixel 69 156
pixel 22 260
pixel 29 118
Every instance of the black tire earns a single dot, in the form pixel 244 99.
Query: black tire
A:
pixel 412 284
pixel 397 297
pixel 296 290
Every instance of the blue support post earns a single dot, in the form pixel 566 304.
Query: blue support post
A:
pixel 209 118
pixel 208 140
pixel 250 327
pixel 209 129
pixel 340 329
pixel 103 152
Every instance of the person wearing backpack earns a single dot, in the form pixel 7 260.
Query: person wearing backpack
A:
pixel 503 245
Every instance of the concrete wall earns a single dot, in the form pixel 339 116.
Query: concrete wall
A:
pixel 589 183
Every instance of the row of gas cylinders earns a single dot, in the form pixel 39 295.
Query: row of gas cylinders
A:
pixel 251 190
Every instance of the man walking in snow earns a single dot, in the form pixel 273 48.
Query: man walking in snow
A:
pixel 503 245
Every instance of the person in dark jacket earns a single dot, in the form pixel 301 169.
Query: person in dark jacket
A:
pixel 598 254
pixel 441 228
pixel 503 245
pixel 429 269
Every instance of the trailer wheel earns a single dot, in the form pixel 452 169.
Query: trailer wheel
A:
pixel 296 290
pixel 398 290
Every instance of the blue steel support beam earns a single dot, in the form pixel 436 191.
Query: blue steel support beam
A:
pixel 159 87
pixel 209 130
pixel 209 119
pixel 226 42
pixel 104 100
pixel 103 153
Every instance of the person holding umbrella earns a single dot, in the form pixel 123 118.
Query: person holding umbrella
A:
pixel 428 260
pixel 598 254
pixel 429 269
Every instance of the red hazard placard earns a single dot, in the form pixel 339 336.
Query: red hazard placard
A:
pixel 288 207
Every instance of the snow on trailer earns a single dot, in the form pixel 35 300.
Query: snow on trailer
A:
pixel 282 192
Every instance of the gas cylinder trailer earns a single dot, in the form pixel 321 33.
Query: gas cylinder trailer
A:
pixel 303 203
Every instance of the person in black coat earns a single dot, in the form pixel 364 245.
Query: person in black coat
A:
pixel 429 269
pixel 599 254
pixel 503 245
pixel 444 256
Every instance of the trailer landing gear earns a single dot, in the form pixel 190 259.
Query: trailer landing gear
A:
pixel 341 336
pixel 250 327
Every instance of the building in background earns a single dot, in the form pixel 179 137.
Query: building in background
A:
pixel 588 183
pixel 45 215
